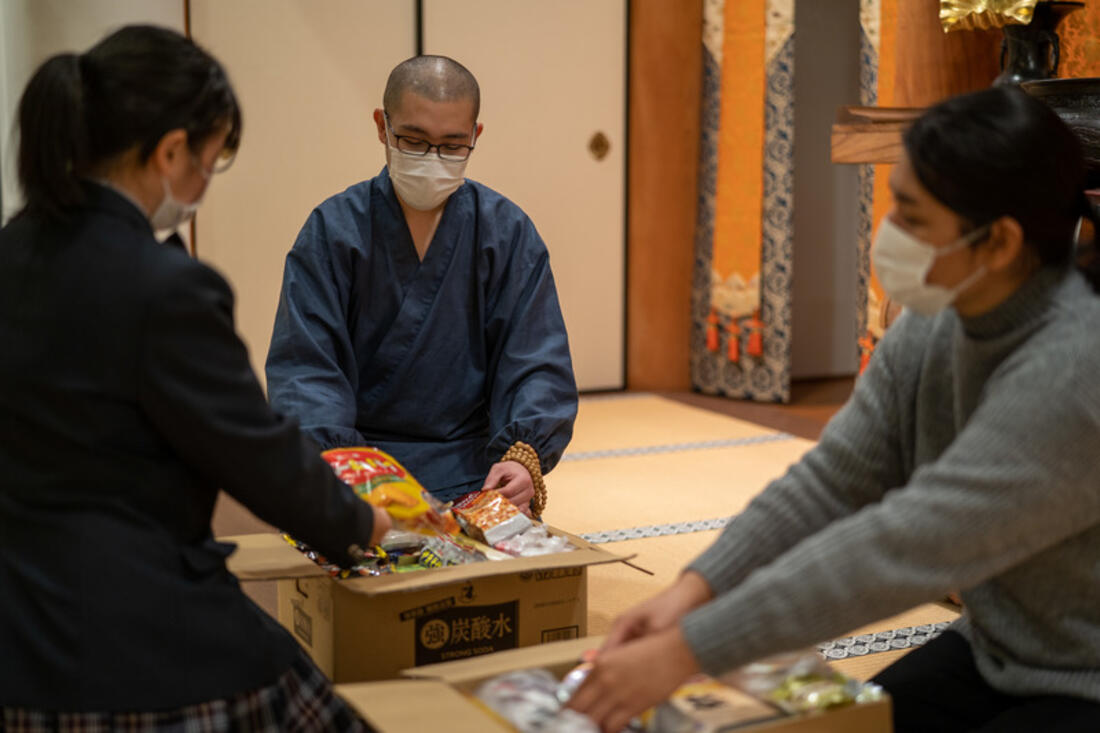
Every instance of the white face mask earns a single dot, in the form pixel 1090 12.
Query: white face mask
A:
pixel 425 181
pixel 171 212
pixel 902 263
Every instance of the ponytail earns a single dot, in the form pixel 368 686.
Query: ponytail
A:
pixel 79 113
pixel 53 137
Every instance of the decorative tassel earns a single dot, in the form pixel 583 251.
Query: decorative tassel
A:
pixel 712 331
pixel 733 344
pixel 756 336
pixel 866 348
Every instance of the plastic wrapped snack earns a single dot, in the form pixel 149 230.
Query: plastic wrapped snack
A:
pixel 528 699
pixel 373 562
pixel 801 682
pixel 573 680
pixel 487 516
pixel 402 541
pixel 448 552
pixel 382 481
pixel 535 541
pixel 469 543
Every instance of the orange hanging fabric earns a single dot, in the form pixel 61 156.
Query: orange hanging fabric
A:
pixel 733 344
pixel 756 336
pixel 712 331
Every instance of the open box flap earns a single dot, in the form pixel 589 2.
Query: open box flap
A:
pixel 466 675
pixel 402 706
pixel 585 554
pixel 466 672
pixel 268 557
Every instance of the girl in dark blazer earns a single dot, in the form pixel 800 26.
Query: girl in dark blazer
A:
pixel 126 402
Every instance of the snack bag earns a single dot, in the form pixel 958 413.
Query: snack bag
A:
pixel 382 481
pixel 440 550
pixel 487 516
pixel 373 562
pixel 800 682
pixel 528 700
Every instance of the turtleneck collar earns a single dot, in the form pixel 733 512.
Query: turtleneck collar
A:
pixel 1029 302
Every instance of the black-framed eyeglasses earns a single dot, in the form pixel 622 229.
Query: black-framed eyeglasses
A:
pixel 416 146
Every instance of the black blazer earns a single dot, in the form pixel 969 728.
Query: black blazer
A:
pixel 126 401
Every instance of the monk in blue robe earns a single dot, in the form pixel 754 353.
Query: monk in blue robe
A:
pixel 418 312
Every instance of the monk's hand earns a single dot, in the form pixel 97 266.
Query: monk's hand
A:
pixel 632 678
pixel 513 482
pixel 661 612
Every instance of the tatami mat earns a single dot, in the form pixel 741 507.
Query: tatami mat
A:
pixel 649 420
pixel 639 460
pixel 864 668
pixel 615 493
pixel 644 460
pixel 615 587
pixel 928 613
pixel 867 666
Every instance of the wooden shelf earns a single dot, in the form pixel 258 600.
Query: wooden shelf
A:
pixel 870 134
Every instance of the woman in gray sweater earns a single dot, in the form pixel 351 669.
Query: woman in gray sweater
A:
pixel 968 457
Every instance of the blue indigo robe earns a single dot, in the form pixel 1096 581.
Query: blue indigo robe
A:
pixel 443 363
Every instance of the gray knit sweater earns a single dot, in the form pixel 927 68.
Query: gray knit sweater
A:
pixel 967 458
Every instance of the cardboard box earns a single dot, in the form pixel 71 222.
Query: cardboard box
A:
pixel 706 705
pixel 436 697
pixel 372 628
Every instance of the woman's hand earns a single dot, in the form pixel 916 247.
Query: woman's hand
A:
pixel 661 612
pixel 511 479
pixel 633 677
pixel 382 524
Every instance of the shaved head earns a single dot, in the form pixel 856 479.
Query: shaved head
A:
pixel 437 78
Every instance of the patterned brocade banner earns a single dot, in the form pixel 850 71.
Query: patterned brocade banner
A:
pixel 741 294
pixel 741 290
pixel 877 65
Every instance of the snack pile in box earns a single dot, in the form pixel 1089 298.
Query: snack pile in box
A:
pixel 480 526
pixel 534 700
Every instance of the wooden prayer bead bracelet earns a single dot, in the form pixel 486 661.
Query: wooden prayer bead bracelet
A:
pixel 526 456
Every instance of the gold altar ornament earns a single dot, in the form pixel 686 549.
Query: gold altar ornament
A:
pixel 961 15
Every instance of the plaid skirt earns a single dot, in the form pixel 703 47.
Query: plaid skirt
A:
pixel 301 701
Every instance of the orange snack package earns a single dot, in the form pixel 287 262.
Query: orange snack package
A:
pixel 380 480
pixel 487 516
